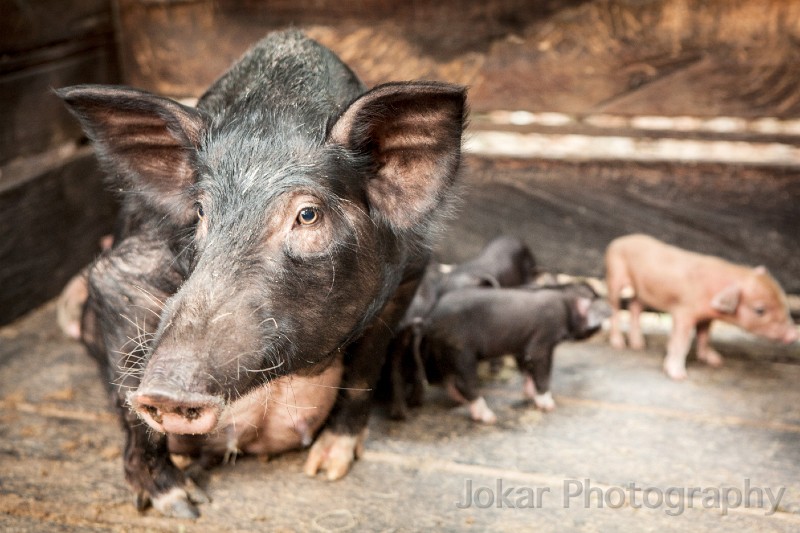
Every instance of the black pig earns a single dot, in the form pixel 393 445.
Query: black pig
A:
pixel 505 261
pixel 277 228
pixel 470 325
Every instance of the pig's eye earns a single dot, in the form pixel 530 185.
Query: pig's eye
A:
pixel 759 310
pixel 307 216
pixel 200 213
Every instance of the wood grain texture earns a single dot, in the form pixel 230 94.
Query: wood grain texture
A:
pixel 51 224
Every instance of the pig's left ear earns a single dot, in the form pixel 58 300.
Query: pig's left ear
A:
pixel 411 133
pixel 727 300
pixel 146 143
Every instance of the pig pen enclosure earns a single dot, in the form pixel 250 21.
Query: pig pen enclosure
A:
pixel 590 119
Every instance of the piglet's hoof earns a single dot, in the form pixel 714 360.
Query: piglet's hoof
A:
pixel 480 412
pixel 617 341
pixel 544 402
pixel 711 357
pixel 637 342
pixel 334 453
pixel 674 370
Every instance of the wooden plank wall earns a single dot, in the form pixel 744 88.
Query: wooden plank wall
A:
pixel 53 206
pixel 623 57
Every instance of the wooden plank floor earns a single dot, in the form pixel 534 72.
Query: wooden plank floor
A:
pixel 619 422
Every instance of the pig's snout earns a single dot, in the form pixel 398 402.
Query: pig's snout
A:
pixel 167 412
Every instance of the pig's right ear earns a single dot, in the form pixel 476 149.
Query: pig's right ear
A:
pixel 410 133
pixel 727 300
pixel 147 143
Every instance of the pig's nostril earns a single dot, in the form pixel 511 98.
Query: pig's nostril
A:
pixel 180 414
pixel 153 412
pixel 193 413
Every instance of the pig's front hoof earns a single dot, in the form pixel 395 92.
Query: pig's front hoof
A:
pixel 544 402
pixel 177 502
pixel 334 453
pixel 480 412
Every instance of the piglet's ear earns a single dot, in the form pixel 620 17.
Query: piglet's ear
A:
pixel 147 143
pixel 412 133
pixel 727 300
pixel 582 305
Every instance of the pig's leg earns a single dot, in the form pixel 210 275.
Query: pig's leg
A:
pixel 635 337
pixel 151 473
pixel 678 346
pixel 398 357
pixel 615 336
pixel 342 440
pixel 704 350
pixel 462 385
pixel 123 308
pixel 420 379
pixel 537 367
pixel 616 281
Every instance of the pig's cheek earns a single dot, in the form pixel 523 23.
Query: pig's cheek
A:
pixel 201 231
pixel 314 240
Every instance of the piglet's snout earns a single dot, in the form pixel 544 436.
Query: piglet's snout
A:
pixel 792 335
pixel 170 412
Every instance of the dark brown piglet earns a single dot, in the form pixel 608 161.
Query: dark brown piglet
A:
pixel 505 261
pixel 470 325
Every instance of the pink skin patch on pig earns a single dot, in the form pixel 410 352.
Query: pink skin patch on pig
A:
pixel 69 307
pixel 282 415
pixel 480 412
pixel 478 409
pixel 543 402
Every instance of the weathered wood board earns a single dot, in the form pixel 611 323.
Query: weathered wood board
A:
pixel 50 221
pixel 568 212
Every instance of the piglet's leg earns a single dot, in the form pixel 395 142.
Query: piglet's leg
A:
pixel 635 336
pixel 480 412
pixel 537 366
pixel 478 408
pixel 615 336
pixel 463 386
pixel 704 350
pixel 678 347
pixel 617 282
pixel 544 401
